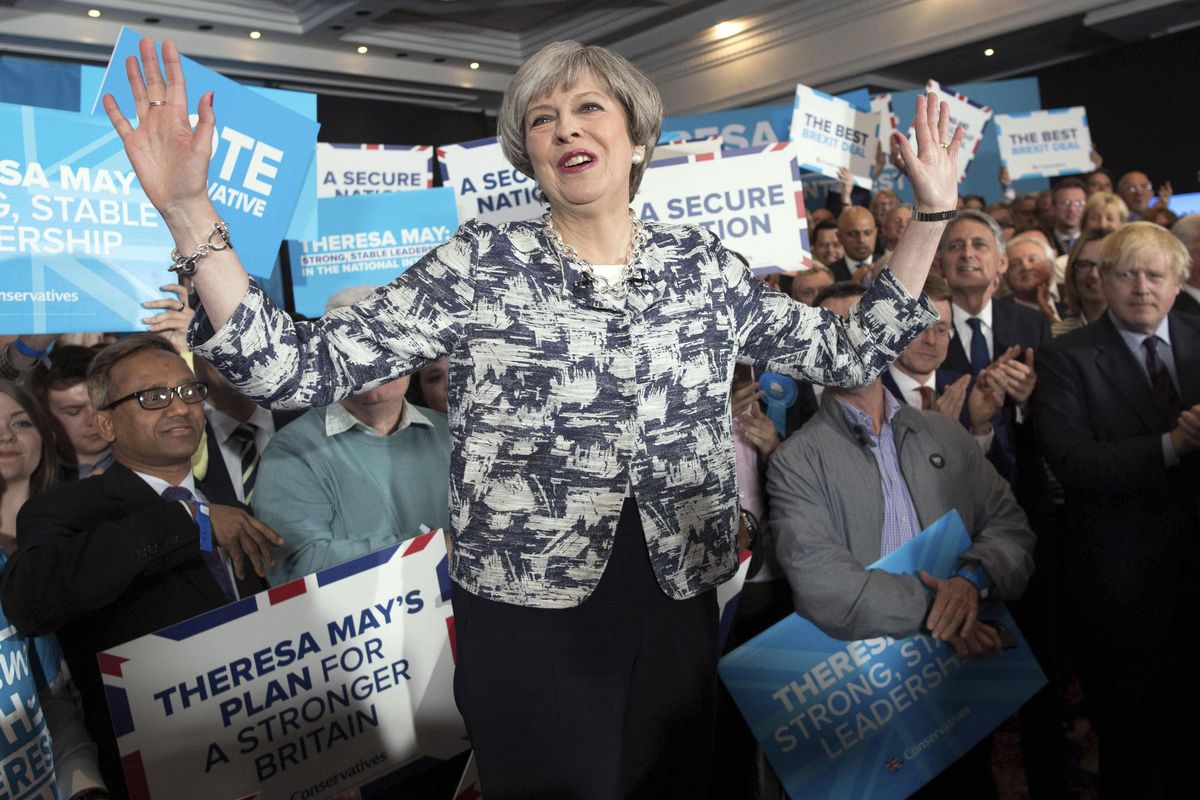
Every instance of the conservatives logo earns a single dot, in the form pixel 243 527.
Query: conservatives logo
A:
pixel 894 764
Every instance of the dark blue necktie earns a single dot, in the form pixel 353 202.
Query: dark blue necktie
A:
pixel 212 558
pixel 1170 405
pixel 980 357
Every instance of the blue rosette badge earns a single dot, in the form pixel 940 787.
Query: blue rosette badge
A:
pixel 779 394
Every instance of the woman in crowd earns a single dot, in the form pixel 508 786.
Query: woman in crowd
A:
pixel 592 489
pixel 29 466
pixel 1104 212
pixel 1084 292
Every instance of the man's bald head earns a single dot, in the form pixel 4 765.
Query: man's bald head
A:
pixel 856 231
pixel 1136 190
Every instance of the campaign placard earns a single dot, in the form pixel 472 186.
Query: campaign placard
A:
pixel 368 239
pixel 710 147
pixel 881 104
pixel 877 717
pixel 831 133
pixel 305 690
pixel 739 128
pixel 80 245
pixel 488 188
pixel 28 667
pixel 345 169
pixel 1042 144
pixel 262 152
pixel 963 111
pixel 758 211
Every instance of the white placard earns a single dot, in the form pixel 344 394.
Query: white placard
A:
pixel 963 111
pixel 881 104
pixel 486 186
pixel 1042 144
pixel 752 199
pixel 344 169
pixel 305 690
pixel 689 147
pixel 830 133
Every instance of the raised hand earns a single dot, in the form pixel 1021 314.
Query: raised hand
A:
pixel 174 320
pixel 169 157
pixel 933 169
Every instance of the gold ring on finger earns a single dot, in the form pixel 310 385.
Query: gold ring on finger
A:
pixel 156 103
pixel 945 145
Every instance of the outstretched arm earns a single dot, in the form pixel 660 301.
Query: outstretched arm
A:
pixel 933 171
pixel 171 162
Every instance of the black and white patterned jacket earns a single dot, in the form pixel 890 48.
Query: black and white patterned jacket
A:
pixel 559 396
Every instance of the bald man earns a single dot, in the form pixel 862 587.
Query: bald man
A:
pixel 856 232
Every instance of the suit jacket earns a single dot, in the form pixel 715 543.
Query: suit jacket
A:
pixel 1131 550
pixel 827 511
pixel 1186 304
pixel 100 562
pixel 218 486
pixel 841 272
pixel 1016 451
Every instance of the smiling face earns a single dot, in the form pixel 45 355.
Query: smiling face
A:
pixel 1027 269
pixel 827 248
pixel 20 442
pixel 972 260
pixel 578 140
pixel 152 440
pixel 1105 218
pixel 1087 274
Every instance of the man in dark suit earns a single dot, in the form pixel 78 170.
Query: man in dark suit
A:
pixel 1067 199
pixel 111 558
pixel 1118 414
pixel 857 232
pixel 1001 336
pixel 236 432
pixel 1187 230
pixel 973 260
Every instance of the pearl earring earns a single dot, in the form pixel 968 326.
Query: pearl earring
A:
pixel 637 158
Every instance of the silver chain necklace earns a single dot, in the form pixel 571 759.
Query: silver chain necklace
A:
pixel 637 241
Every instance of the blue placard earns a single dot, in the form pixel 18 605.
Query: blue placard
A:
pixel 261 159
pixel 368 239
pixel 80 245
pixel 879 717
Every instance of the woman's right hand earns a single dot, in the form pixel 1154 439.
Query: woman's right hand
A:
pixel 170 158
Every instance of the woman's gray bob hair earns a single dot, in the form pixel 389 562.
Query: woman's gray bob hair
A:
pixel 560 65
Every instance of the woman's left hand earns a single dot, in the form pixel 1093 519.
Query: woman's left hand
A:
pixel 933 169
pixel 173 322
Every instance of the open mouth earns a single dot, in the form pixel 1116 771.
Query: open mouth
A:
pixel 576 160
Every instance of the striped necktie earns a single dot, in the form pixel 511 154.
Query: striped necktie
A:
pixel 247 449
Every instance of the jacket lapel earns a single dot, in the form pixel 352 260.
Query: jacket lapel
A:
pixel 1117 364
pixel 1185 346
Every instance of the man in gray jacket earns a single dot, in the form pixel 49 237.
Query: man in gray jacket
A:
pixel 865 475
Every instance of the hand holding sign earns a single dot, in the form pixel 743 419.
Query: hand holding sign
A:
pixel 933 169
pixel 170 159
pixel 243 537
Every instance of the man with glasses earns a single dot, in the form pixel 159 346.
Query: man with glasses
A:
pixel 111 558
pixel 1137 191
pixel 917 379
pixel 1067 199
pixel 1117 411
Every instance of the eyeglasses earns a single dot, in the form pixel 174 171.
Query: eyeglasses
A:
pixel 1071 203
pixel 160 396
pixel 1138 187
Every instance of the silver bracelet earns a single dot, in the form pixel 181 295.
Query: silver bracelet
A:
pixel 218 239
